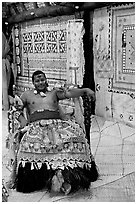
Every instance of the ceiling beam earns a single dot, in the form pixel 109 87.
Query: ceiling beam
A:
pixel 93 5
pixel 57 10
pixel 47 11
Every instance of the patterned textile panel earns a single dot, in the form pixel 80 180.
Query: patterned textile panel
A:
pixel 114 54
pixel 57 67
pixel 55 46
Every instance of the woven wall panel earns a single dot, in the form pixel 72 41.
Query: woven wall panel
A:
pixel 55 48
pixel 123 49
pixel 114 62
pixel 44 48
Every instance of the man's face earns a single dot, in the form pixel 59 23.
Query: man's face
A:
pixel 40 82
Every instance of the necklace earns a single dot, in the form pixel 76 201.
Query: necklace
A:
pixel 40 93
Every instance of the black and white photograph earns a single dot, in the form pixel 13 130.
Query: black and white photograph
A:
pixel 68 101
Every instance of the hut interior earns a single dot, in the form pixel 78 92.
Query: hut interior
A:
pixel 55 37
pixel 91 44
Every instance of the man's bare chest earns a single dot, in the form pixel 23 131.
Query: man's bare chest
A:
pixel 38 100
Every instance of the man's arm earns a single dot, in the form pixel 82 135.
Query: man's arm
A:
pixel 75 93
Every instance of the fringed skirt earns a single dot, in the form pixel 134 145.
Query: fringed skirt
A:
pixel 54 154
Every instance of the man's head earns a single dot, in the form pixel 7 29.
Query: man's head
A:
pixel 39 80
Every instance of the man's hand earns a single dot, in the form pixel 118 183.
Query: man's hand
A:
pixel 11 100
pixel 18 102
pixel 75 93
pixel 90 94
pixel 12 157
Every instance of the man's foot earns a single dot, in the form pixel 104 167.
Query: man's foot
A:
pixel 56 185
pixel 66 188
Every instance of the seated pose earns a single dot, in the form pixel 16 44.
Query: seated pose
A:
pixel 53 152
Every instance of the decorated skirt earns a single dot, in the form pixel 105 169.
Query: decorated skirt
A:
pixel 52 145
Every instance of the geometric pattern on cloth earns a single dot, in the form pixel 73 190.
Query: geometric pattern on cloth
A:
pixel 16 48
pixel 55 42
pixel 13 123
pixel 124 109
pixel 40 43
pixel 114 95
pixel 122 38
pixel 55 142
pixel 44 42
pixel 75 59
pixel 102 62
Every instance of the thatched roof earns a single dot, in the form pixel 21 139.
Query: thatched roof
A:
pixel 14 12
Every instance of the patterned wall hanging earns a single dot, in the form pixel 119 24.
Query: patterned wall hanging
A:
pixel 16 47
pixel 114 61
pixel 104 64
pixel 44 47
pixel 55 47
pixel 75 52
pixel 122 20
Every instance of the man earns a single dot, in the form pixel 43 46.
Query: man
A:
pixel 43 159
pixel 41 98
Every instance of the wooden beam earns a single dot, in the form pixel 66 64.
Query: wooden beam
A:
pixel 47 11
pixel 94 5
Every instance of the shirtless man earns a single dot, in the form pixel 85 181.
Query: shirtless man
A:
pixel 43 105
pixel 42 99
